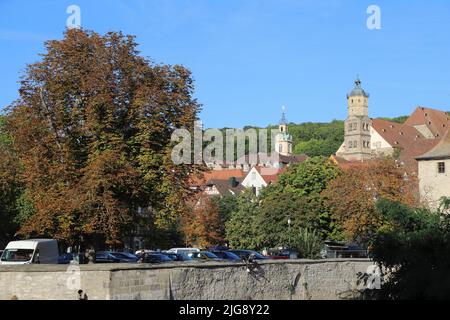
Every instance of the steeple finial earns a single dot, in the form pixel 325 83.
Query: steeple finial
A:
pixel 283 115
pixel 358 81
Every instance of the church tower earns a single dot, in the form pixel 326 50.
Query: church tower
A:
pixel 283 141
pixel 357 126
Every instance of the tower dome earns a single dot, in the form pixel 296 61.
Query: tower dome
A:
pixel 358 90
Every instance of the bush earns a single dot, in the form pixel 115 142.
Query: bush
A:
pixel 308 243
pixel 414 251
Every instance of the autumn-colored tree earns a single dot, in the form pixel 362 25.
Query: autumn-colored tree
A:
pixel 201 224
pixel 353 194
pixel 93 130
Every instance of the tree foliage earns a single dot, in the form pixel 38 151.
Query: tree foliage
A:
pixel 226 204
pixel 353 194
pixel 413 252
pixel 201 224
pixel 308 180
pixel 92 129
pixel 276 208
pixel 262 222
pixel 10 185
pixel 241 229
pixel 309 243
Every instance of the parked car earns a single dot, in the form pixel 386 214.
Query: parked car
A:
pixel 284 255
pixel 125 255
pixel 65 258
pixel 244 254
pixel 130 255
pixel 226 255
pixel 113 257
pixel 178 256
pixel 43 251
pixel 154 257
pixel 204 255
pixel 184 250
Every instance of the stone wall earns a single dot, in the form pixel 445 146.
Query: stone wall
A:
pixel 293 279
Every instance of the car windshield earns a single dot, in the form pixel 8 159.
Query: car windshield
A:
pixel 245 254
pixel 210 255
pixel 231 255
pixel 259 255
pixel 17 255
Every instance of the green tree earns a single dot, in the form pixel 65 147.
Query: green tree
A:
pixel 241 229
pixel 226 204
pixel 413 253
pixel 10 185
pixel 308 180
pixel 276 208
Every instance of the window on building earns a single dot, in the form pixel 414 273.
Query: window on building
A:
pixel 441 167
pixel 280 148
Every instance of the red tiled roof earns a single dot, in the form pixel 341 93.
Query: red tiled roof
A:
pixel 217 175
pixel 225 186
pixel 270 175
pixel 440 151
pixel 436 120
pixel 345 164
pixel 406 138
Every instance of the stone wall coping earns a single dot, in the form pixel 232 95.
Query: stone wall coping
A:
pixel 176 265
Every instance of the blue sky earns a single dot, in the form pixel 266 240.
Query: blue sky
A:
pixel 250 57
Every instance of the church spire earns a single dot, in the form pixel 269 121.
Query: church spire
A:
pixel 284 139
pixel 283 120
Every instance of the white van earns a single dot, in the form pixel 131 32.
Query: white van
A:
pixel 43 251
pixel 184 250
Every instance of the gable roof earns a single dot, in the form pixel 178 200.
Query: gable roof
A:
pixel 202 179
pixel 436 120
pixel 293 159
pixel 270 175
pixel 440 151
pixel 262 158
pixel 225 186
pixel 406 138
